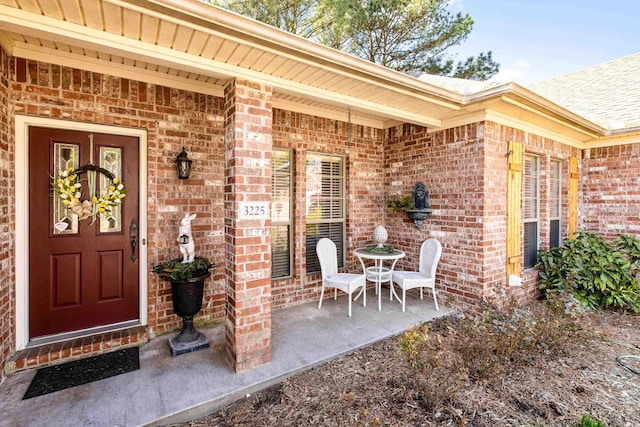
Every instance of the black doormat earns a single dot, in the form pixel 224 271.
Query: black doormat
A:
pixel 83 371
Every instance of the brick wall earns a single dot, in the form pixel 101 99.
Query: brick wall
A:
pixel 610 190
pixel 363 148
pixel 494 218
pixel 546 150
pixel 7 218
pixel 451 165
pixel 173 118
pixel 465 170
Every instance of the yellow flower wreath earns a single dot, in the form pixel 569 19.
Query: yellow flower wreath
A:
pixel 67 188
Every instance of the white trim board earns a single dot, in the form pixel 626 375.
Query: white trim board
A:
pixel 22 211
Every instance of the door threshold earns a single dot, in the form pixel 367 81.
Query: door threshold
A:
pixel 50 339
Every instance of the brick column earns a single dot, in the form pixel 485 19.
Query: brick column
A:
pixel 248 144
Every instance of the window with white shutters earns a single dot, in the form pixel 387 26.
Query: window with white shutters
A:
pixel 325 205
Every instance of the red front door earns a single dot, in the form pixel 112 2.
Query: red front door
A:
pixel 81 274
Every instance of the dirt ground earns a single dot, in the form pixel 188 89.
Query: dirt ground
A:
pixel 376 386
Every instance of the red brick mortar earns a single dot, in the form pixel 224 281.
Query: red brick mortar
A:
pixel 610 190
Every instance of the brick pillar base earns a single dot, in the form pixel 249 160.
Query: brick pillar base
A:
pixel 248 145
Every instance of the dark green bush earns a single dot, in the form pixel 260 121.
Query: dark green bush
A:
pixel 598 274
pixel 631 247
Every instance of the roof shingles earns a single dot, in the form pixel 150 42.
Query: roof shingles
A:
pixel 607 94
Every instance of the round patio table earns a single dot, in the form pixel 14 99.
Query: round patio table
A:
pixel 378 273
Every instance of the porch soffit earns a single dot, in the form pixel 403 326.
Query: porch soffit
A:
pixel 124 36
pixel 192 45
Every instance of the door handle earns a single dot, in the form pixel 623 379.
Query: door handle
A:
pixel 133 238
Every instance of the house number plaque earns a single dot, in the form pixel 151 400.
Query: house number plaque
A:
pixel 254 210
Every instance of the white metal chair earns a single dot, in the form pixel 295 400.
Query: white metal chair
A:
pixel 425 277
pixel 346 282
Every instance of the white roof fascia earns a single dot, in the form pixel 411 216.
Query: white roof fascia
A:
pixel 545 104
pixel 208 14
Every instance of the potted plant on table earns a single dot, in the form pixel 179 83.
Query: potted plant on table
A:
pixel 187 276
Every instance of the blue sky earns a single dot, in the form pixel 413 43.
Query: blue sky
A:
pixel 537 40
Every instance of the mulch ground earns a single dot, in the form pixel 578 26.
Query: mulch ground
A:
pixel 376 386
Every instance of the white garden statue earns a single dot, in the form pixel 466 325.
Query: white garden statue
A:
pixel 185 238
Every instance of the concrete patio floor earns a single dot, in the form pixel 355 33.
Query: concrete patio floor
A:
pixel 168 390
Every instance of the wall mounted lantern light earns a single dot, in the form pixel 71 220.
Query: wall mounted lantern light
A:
pixel 183 165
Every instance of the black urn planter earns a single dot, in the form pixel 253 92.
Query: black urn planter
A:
pixel 187 301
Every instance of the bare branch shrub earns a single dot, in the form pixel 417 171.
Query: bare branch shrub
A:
pixel 454 351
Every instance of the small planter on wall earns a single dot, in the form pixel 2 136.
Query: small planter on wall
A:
pixel 416 205
pixel 418 216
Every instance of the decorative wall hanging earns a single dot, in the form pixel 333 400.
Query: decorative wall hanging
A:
pixel 420 199
pixel 416 205
pixel 68 188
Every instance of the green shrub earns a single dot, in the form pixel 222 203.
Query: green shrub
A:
pixel 599 274
pixel 631 247
pixel 587 421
